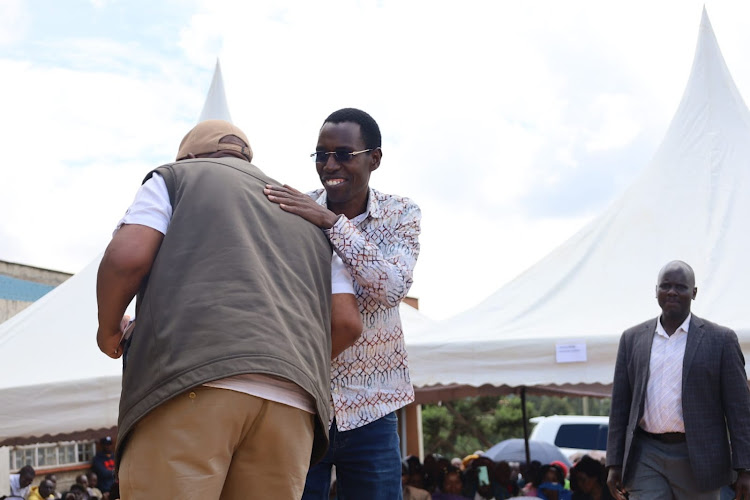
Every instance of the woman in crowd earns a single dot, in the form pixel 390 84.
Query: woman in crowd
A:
pixel 410 490
pixel 451 485
pixel 552 486
pixel 588 480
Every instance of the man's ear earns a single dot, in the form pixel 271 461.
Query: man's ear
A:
pixel 375 157
pixel 695 292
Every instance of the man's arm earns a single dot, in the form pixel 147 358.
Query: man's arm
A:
pixel 735 397
pixel 386 275
pixel 619 416
pixel 126 262
pixel 346 322
pixel 384 270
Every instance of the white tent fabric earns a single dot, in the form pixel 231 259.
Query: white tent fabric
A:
pixel 216 107
pixel 691 203
pixel 55 379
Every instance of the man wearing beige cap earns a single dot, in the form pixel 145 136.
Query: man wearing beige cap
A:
pixel 226 374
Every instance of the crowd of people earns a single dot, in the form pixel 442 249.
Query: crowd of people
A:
pixel 98 483
pixel 86 487
pixel 477 477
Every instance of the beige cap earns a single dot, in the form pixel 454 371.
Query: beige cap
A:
pixel 204 139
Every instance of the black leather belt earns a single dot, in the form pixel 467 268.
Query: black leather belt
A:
pixel 666 437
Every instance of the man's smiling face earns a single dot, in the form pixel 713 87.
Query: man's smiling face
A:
pixel 346 182
pixel 675 292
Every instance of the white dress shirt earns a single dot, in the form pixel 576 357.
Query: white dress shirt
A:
pixel 663 407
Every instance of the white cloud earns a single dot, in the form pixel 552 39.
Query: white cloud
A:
pixel 82 142
pixel 14 21
pixel 614 125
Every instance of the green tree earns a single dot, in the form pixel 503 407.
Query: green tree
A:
pixel 558 406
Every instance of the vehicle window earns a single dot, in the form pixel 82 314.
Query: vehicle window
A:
pixel 584 436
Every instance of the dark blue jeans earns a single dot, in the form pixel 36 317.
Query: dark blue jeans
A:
pixel 367 460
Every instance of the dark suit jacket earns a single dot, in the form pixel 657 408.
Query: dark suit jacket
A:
pixel 715 400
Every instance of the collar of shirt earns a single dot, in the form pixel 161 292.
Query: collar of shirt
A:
pixel 684 326
pixel 373 206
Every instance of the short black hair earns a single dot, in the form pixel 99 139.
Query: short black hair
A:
pixel 592 468
pixel 678 264
pixel 367 124
pixel 28 470
pixel 444 473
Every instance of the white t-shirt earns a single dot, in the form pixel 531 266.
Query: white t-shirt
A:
pixel 152 208
pixel 15 486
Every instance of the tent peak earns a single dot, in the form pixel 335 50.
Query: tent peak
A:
pixel 216 107
pixel 710 83
pixel 705 21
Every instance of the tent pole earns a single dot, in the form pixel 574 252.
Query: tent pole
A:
pixel 525 424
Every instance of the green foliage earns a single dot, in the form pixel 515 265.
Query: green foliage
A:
pixel 461 427
pixel 558 406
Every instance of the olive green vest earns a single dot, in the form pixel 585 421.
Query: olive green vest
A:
pixel 238 286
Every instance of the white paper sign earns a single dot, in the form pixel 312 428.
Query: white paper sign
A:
pixel 573 351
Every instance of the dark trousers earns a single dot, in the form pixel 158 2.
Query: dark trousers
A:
pixel 661 471
pixel 367 460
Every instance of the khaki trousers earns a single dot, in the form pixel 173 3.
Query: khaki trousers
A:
pixel 212 444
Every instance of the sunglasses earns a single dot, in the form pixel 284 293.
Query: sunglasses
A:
pixel 341 156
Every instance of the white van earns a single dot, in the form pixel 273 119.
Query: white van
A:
pixel 572 433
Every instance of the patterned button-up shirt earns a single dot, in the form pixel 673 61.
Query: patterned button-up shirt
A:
pixel 380 247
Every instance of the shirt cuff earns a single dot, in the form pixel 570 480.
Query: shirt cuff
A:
pixel 338 222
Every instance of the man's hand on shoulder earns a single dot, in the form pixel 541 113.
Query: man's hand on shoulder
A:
pixel 614 482
pixel 297 203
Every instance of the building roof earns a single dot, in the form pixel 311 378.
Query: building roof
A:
pixel 22 290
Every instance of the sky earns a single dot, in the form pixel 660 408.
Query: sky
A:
pixel 511 124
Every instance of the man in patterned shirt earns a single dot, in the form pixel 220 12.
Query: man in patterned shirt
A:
pixel 376 235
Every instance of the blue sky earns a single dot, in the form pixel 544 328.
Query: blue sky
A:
pixel 512 124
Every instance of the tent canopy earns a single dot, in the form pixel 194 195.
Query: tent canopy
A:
pixel 691 203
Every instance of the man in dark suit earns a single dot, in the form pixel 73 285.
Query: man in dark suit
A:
pixel 679 396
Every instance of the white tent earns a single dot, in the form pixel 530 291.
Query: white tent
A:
pixel 692 203
pixel 55 380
